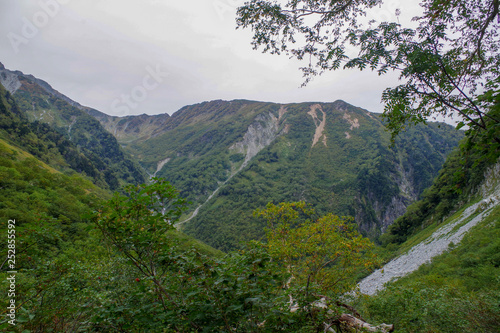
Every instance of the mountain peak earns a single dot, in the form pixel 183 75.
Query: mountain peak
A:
pixel 12 80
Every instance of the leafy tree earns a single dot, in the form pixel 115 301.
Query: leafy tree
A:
pixel 191 292
pixel 323 255
pixel 448 64
pixel 137 226
pixel 183 290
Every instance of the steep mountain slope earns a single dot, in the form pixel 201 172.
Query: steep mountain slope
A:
pixel 230 157
pixel 444 277
pixel 45 143
pixel 61 260
pixel 449 233
pixel 37 103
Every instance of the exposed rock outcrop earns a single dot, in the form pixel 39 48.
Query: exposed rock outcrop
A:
pixel 9 80
pixel 440 240
pixel 259 135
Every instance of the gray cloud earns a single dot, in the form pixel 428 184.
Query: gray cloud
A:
pixel 97 51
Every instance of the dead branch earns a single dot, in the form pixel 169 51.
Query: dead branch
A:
pixel 354 322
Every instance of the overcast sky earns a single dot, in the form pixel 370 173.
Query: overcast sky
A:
pixel 126 57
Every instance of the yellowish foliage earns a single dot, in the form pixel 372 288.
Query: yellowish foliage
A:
pixel 325 255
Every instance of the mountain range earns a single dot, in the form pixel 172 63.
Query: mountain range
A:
pixel 232 157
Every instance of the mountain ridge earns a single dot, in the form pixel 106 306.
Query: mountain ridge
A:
pixel 39 103
pixel 203 149
pixel 231 157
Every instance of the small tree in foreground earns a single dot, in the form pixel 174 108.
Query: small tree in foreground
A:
pixel 323 255
pixel 323 258
pixel 138 225
pixel 292 283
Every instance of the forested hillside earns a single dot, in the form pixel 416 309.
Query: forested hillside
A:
pixel 231 157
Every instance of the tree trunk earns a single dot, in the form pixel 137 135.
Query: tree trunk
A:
pixel 359 324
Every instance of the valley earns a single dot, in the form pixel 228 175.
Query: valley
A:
pixel 231 157
pixel 61 161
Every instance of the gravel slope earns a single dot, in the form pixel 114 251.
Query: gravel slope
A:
pixel 439 241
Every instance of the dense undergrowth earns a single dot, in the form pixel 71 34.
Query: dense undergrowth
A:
pixel 67 279
pixel 131 271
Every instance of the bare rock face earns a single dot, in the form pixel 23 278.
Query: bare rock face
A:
pixel 259 135
pixel 440 240
pixel 407 195
pixel 320 123
pixel 395 209
pixel 386 211
pixel 9 80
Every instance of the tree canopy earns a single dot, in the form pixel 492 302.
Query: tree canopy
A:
pixel 295 282
pixel 448 64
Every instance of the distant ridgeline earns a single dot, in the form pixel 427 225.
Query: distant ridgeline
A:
pixel 58 131
pixel 231 157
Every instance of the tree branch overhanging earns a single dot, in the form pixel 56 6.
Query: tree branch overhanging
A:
pixel 467 30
